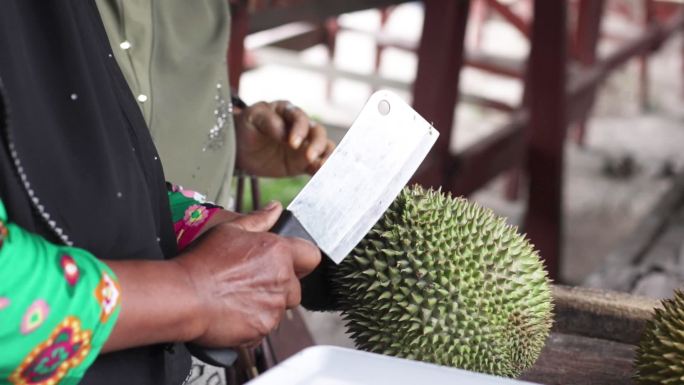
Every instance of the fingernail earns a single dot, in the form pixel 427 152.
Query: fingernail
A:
pixel 297 141
pixel 271 205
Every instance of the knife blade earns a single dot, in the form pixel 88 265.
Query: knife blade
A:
pixel 375 159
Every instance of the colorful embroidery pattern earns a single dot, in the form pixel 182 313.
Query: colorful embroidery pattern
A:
pixel 107 293
pixel 195 215
pixel 187 228
pixel 70 268
pixel 34 316
pixel 50 361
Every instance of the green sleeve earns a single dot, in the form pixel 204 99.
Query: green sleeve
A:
pixel 179 203
pixel 58 306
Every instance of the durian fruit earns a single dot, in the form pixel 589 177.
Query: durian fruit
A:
pixel 660 356
pixel 442 280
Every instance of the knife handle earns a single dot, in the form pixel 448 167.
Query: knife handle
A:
pixel 221 357
pixel 289 226
pixel 317 291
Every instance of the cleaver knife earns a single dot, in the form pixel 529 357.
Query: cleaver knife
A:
pixel 373 162
pixel 346 197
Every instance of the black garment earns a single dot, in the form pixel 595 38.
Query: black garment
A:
pixel 77 163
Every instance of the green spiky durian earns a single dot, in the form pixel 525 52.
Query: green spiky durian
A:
pixel 442 280
pixel 660 356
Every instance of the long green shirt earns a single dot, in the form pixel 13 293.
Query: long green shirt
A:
pixel 173 55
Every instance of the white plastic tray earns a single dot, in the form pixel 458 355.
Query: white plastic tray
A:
pixel 329 365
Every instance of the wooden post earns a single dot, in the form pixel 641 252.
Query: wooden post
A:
pixel 547 80
pixel 236 48
pixel 331 28
pixel 587 34
pixel 435 90
pixel 648 20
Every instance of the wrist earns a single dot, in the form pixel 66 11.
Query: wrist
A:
pixel 195 318
pixel 159 304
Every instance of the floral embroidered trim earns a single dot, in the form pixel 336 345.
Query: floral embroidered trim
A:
pixel 34 316
pixel 195 215
pixel 71 272
pixel 50 361
pixel 107 293
pixel 186 229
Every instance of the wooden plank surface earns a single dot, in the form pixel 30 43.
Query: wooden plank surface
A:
pixel 576 360
pixel 608 315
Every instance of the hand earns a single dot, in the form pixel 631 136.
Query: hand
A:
pixel 278 139
pixel 246 278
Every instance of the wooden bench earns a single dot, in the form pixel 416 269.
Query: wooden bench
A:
pixel 594 338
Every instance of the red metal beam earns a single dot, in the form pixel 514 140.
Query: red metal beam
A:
pixel 435 90
pixel 495 64
pixel 583 86
pixel 483 161
pixel 486 102
pixel 587 34
pixel 516 21
pixel 546 131
pixel 236 48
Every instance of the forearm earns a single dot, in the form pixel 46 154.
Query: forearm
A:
pixel 158 304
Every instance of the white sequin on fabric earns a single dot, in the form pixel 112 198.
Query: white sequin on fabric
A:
pixel 32 195
pixel 224 111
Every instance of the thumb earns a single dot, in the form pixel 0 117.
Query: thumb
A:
pixel 262 220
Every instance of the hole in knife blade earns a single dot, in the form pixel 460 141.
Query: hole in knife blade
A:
pixel 384 107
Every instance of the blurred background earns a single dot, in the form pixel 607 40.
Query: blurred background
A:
pixel 566 117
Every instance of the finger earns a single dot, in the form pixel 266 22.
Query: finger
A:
pixel 329 148
pixel 294 294
pixel 305 256
pixel 262 220
pixel 266 121
pixel 318 140
pixel 318 163
pixel 297 121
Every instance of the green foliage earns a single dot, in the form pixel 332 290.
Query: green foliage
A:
pixel 280 189
pixel 442 280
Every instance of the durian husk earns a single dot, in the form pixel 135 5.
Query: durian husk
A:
pixel 442 280
pixel 660 355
